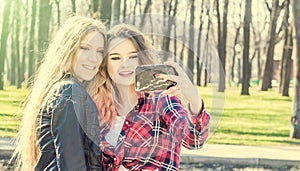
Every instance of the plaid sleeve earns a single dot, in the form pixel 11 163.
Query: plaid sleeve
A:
pixel 174 115
pixel 198 130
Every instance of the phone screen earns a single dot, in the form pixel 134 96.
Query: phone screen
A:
pixel 146 81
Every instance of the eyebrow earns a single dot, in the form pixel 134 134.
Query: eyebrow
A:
pixel 83 43
pixel 116 53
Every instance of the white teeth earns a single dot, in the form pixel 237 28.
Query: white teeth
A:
pixel 126 72
pixel 89 67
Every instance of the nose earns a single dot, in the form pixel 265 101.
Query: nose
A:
pixel 125 62
pixel 94 57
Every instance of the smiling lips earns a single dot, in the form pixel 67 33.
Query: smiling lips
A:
pixel 125 73
pixel 89 67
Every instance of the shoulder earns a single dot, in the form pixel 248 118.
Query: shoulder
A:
pixel 68 88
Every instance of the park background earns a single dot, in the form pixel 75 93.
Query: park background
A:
pixel 241 54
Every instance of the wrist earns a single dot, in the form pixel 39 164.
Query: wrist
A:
pixel 195 108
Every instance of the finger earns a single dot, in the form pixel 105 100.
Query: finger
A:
pixel 166 77
pixel 178 69
pixel 175 90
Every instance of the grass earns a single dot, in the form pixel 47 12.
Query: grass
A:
pixel 263 118
pixel 11 107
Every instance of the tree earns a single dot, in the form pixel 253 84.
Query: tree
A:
pixel 257 31
pixel 45 9
pixel 73 7
pixel 246 63
pixel 285 71
pixel 170 22
pixel 105 12
pixel 199 64
pixel 191 42
pixel 222 38
pixel 32 55
pixel 16 48
pixel 4 35
pixel 25 41
pixel 207 45
pixel 116 10
pixel 57 2
pixel 295 130
pixel 268 68
pixel 184 35
pixel 236 44
pixel 146 10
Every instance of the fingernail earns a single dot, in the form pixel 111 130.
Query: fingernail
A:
pixel 155 75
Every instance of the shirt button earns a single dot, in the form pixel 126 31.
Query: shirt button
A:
pixel 115 159
pixel 126 122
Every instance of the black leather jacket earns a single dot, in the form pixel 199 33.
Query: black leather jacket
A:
pixel 68 130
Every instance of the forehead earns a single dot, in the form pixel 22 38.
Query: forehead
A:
pixel 94 38
pixel 121 45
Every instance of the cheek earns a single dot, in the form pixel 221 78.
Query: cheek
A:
pixel 111 69
pixel 74 61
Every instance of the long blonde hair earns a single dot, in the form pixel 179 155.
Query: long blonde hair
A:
pixel 106 97
pixel 57 62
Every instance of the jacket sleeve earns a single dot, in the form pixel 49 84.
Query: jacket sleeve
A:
pixel 68 137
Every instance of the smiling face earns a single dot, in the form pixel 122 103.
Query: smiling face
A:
pixel 122 61
pixel 88 56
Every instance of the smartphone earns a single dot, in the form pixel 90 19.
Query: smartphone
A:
pixel 146 81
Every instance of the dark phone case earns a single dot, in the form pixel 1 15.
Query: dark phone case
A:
pixel 145 80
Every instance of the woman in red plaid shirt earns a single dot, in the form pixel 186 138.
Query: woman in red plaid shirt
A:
pixel 144 131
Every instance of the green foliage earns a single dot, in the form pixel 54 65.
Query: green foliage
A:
pixel 263 118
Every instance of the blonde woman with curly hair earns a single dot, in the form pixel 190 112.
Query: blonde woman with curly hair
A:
pixel 59 129
pixel 145 130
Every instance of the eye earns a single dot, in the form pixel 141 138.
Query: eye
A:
pixel 133 57
pixel 115 58
pixel 84 48
pixel 101 52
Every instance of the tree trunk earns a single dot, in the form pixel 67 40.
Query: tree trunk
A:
pixel 44 22
pixel 246 63
pixel 32 54
pixel 191 42
pixel 116 11
pixel 295 130
pixel 207 45
pixel 235 51
pixel 73 7
pixel 58 11
pixel 199 72
pixel 167 34
pixel 268 68
pixel 17 45
pixel 24 71
pixel 236 43
pixel 222 36
pixel 286 64
pixel 4 35
pixel 105 12
pixel 184 36
pixel 286 59
pixel 146 10
pixel 12 69
pixel 124 8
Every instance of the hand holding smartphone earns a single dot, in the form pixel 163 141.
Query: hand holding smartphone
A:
pixel 145 77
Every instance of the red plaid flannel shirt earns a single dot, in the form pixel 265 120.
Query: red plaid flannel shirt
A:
pixel 152 134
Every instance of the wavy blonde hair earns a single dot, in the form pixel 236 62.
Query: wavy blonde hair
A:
pixel 107 95
pixel 57 62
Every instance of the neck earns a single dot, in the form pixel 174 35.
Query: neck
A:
pixel 129 98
